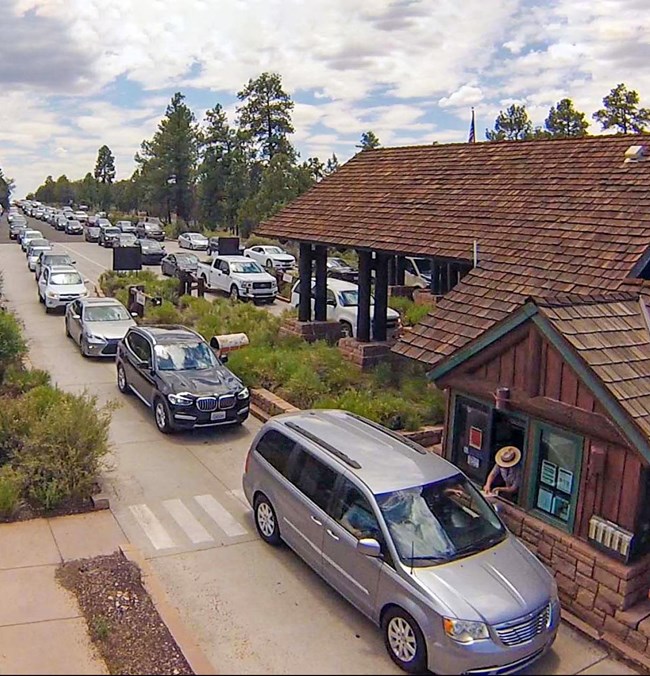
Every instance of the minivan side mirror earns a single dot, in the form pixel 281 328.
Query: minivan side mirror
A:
pixel 369 547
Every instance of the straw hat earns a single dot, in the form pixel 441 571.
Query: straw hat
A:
pixel 508 456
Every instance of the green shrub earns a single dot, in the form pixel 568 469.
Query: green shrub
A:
pixel 256 240
pixel 410 311
pixel 12 343
pixel 57 440
pixel 167 313
pixel 303 387
pixel 18 380
pixel 11 483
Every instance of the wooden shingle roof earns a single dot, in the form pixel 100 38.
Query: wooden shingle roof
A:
pixel 612 336
pixel 549 217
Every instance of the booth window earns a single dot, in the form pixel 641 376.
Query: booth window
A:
pixel 554 489
pixel 471 439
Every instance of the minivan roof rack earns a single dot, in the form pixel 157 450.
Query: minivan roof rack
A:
pixel 398 437
pixel 332 449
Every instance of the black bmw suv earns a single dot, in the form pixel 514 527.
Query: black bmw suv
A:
pixel 175 372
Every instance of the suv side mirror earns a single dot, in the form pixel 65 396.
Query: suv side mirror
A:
pixel 369 547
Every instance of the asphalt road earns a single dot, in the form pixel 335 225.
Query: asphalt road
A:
pixel 253 609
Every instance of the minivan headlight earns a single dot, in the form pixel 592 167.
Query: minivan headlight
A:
pixel 465 631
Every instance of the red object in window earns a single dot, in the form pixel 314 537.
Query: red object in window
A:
pixel 476 438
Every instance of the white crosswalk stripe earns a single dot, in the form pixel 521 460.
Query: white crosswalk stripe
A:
pixel 223 518
pixel 152 527
pixel 187 521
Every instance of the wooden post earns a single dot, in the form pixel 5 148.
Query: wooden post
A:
pixel 381 297
pixel 363 310
pixel 320 301
pixel 304 270
pixel 400 269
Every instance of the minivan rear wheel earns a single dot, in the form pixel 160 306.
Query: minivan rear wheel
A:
pixel 266 521
pixel 404 641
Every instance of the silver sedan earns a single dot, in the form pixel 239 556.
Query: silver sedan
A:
pixel 97 325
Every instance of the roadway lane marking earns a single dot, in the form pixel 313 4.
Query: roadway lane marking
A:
pixel 187 521
pixel 223 518
pixel 74 252
pixel 152 528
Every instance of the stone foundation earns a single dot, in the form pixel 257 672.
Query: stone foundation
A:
pixel 425 297
pixel 311 331
pixel 606 594
pixel 401 291
pixel 426 436
pixel 365 355
pixel 270 403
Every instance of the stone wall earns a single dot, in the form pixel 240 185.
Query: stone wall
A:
pixel 311 331
pixel 364 355
pixel 430 435
pixel 605 593
pixel 270 403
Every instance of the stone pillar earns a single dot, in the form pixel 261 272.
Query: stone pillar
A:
pixel 381 297
pixel 320 301
pixel 363 311
pixel 304 271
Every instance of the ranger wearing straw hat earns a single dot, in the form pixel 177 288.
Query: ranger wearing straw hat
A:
pixel 507 466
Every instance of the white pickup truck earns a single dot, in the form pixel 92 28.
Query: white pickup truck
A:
pixel 240 277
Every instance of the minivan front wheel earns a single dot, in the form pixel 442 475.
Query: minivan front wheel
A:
pixel 266 521
pixel 404 641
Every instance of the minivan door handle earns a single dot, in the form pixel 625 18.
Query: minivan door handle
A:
pixel 333 535
pixel 316 521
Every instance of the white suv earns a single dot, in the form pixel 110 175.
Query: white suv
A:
pixel 59 285
pixel 343 305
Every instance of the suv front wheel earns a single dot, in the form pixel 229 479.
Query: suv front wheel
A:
pixel 404 641
pixel 161 415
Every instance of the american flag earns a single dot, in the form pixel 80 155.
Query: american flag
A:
pixel 472 130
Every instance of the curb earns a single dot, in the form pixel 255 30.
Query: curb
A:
pixel 195 657
pixel 609 640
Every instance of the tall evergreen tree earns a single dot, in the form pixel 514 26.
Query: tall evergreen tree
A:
pixel 368 141
pixel 47 192
pixel 332 165
pixel 167 163
pixel 6 187
pixel 87 191
pixel 564 121
pixel 265 115
pixel 621 111
pixel 105 165
pixel 511 125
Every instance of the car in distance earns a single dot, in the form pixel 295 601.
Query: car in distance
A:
pixel 74 227
pixel 194 241
pixel 16 228
pixel 35 249
pixel 47 258
pixel 126 239
pixel 174 263
pixel 108 235
pixel 92 232
pixel 125 226
pixel 97 325
pixel 60 222
pixel 343 306
pixel 59 285
pixel 152 251
pixel 338 268
pixel 150 230
pixel 240 277
pixel 273 257
pixel 175 372
pixel 27 236
pixel 405 537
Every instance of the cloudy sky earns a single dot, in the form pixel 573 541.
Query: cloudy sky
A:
pixel 77 74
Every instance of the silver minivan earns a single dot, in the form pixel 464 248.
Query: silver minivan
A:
pixel 406 538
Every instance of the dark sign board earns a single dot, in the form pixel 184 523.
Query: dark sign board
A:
pixel 127 258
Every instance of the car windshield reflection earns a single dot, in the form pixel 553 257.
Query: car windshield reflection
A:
pixel 185 357
pixel 65 278
pixel 246 268
pixel 440 522
pixel 106 313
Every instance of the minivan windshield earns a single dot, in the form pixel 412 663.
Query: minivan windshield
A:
pixel 440 522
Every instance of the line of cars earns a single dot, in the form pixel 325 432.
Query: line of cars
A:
pixel 172 369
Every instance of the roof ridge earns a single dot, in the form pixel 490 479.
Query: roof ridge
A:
pixel 567 299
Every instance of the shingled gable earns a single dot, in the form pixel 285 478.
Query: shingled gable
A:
pixel 605 339
pixel 549 216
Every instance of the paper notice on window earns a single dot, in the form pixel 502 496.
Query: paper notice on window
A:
pixel 548 474
pixel 564 480
pixel 544 500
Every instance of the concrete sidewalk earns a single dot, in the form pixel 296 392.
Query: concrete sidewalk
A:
pixel 42 630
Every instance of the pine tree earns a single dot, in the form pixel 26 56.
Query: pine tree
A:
pixel 265 116
pixel 105 166
pixel 621 111
pixel 6 187
pixel 511 125
pixel 564 121
pixel 368 141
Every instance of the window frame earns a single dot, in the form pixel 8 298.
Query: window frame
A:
pixel 537 427
pixel 293 477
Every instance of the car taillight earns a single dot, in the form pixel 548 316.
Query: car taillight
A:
pixel 248 459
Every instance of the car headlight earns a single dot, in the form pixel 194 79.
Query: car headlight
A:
pixel 180 399
pixel 247 285
pixel 244 394
pixel 94 339
pixel 465 631
pixel 51 294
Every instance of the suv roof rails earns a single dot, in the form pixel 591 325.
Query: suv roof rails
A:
pixel 391 433
pixel 332 449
